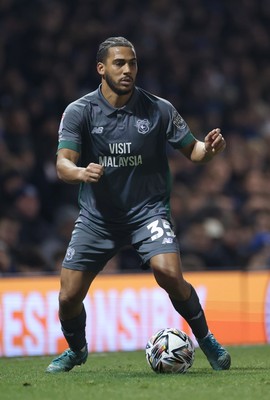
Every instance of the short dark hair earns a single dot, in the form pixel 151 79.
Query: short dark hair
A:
pixel 111 42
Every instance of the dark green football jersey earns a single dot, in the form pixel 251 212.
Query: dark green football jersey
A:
pixel 131 143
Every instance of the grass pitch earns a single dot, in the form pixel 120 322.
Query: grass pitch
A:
pixel 126 376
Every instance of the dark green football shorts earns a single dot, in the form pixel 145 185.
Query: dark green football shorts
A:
pixel 92 246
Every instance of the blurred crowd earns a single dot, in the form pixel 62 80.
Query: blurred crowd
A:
pixel 210 58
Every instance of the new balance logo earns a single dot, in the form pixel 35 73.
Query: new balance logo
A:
pixel 167 240
pixel 97 129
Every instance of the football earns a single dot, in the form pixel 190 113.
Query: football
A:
pixel 170 350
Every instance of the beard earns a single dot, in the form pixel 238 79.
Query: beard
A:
pixel 114 88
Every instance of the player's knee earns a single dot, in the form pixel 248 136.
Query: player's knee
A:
pixel 171 280
pixel 168 277
pixel 68 301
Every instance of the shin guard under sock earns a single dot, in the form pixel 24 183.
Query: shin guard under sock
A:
pixel 74 331
pixel 193 313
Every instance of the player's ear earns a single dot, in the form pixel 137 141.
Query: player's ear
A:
pixel 100 68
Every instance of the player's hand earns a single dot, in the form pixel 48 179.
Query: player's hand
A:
pixel 214 142
pixel 92 173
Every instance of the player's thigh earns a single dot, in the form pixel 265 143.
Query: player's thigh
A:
pixel 88 251
pixel 167 264
pixel 90 248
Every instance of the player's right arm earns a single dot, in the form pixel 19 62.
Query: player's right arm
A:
pixel 69 172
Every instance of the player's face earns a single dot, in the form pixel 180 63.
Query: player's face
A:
pixel 119 70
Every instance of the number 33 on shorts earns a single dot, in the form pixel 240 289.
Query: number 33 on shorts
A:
pixel 161 228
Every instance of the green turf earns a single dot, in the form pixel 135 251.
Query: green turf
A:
pixel 125 376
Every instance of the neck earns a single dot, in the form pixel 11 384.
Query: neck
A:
pixel 114 99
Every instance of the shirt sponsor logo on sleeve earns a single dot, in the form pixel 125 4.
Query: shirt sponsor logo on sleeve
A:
pixel 178 121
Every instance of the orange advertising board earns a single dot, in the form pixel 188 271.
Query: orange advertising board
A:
pixel 123 311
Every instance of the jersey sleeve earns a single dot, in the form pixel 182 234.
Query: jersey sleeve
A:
pixel 178 133
pixel 69 133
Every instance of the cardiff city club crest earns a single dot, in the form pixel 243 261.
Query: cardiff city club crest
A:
pixel 69 254
pixel 143 126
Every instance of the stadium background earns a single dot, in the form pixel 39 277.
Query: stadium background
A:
pixel 210 58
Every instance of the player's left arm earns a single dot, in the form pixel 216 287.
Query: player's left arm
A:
pixel 203 151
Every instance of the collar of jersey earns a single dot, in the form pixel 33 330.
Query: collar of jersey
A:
pixel 109 110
